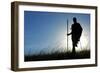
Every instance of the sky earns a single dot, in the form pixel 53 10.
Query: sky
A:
pixel 46 31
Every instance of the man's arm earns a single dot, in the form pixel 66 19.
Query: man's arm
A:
pixel 69 33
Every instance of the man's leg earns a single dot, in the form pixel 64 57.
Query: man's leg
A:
pixel 73 50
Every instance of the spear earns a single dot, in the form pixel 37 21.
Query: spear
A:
pixel 67 33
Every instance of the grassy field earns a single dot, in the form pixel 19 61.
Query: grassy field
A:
pixel 58 56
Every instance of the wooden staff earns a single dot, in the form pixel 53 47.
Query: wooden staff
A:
pixel 67 33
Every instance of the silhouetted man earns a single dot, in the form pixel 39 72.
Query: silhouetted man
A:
pixel 76 31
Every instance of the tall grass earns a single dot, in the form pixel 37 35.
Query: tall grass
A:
pixel 56 55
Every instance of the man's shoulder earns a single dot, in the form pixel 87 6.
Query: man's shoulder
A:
pixel 73 24
pixel 78 23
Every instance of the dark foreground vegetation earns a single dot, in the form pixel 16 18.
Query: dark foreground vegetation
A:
pixel 58 56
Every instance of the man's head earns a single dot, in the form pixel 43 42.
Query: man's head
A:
pixel 74 20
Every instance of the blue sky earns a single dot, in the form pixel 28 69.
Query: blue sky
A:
pixel 45 29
